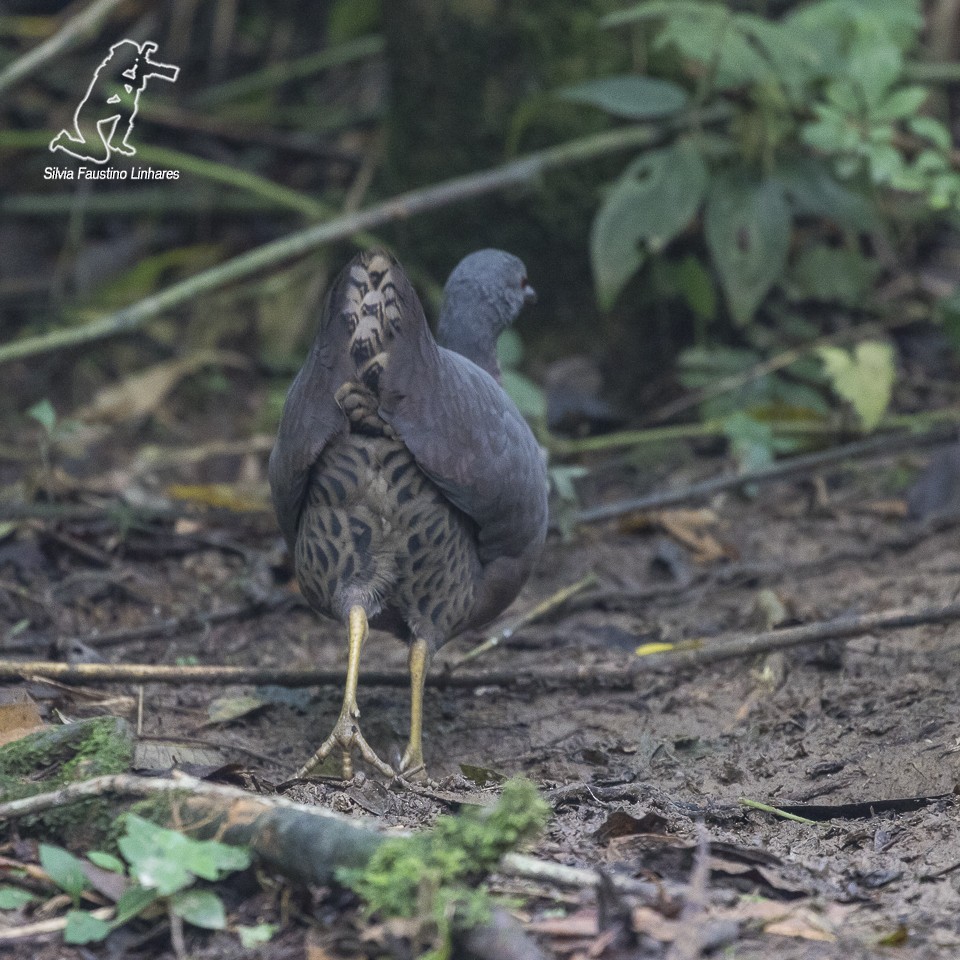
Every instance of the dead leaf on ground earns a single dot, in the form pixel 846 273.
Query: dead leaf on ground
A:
pixel 19 715
pixel 688 527
pixel 224 496
pixel 141 394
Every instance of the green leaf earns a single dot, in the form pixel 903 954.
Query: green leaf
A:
pixel 202 908
pixel 830 274
pixel 717 44
pixel 931 129
pixel 751 442
pixel 655 198
pixel 901 104
pixel 106 861
pixel 251 937
pixel 863 377
pixel 693 281
pixel 629 96
pixel 44 414
pixel 747 226
pixel 525 394
pixel 133 901
pixel 813 191
pixel 64 869
pixel 13 898
pixel 167 861
pixel 509 349
pixel 83 927
pixel 655 9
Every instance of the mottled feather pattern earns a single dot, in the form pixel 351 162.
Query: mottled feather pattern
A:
pixel 422 497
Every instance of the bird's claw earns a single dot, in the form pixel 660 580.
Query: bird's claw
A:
pixel 346 735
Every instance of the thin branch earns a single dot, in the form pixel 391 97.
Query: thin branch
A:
pixel 551 603
pixel 84 24
pixel 690 653
pixel 698 653
pixel 86 673
pixel 522 171
pixel 882 444
pixel 165 629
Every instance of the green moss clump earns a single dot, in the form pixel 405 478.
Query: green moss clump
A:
pixel 433 876
pixel 55 757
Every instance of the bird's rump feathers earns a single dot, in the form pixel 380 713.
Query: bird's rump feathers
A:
pixel 462 430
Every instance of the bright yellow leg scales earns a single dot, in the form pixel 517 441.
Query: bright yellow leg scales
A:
pixel 346 734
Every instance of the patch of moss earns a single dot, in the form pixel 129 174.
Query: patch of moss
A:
pixel 435 876
pixel 51 759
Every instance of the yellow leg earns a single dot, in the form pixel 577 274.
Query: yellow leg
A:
pixel 412 765
pixel 346 734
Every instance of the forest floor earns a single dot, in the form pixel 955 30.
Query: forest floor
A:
pixel 630 773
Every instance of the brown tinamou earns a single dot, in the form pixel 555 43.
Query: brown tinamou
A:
pixel 411 492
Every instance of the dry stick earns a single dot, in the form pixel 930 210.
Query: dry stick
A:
pixel 524 170
pixel 551 603
pixel 692 653
pixel 813 461
pixel 766 808
pixel 84 24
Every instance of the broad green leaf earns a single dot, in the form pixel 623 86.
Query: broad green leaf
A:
pixel 525 394
pixel 631 97
pixel 134 900
pixel 13 898
pixel 44 414
pixel 509 349
pixel 696 285
pixel 797 62
pixel 751 442
pixel 251 937
pixel 64 869
pixel 167 861
pixel 717 44
pixel 813 191
pixel 83 927
pixel 901 104
pixel 747 226
pixel 829 274
pixel 655 9
pixel 863 377
pixel 202 908
pixel 655 199
pixel 931 129
pixel 106 861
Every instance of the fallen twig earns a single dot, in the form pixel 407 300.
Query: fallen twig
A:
pixel 776 811
pixel 617 678
pixel 551 603
pixel 690 653
pixel 168 628
pixel 698 652
pixel 883 444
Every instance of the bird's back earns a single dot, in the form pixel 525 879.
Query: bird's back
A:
pixel 374 529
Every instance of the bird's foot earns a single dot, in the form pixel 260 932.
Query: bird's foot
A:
pixel 347 736
pixel 412 766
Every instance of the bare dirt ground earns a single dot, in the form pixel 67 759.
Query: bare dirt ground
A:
pixel 629 773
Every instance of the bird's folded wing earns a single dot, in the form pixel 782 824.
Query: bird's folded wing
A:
pixel 468 436
pixel 311 418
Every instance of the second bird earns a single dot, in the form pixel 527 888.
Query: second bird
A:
pixel 410 490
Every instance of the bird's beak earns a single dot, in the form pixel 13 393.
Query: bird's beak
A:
pixel 529 294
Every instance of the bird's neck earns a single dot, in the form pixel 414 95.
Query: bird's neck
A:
pixel 474 341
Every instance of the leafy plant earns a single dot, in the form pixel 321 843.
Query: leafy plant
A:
pixel 162 868
pixel 434 875
pixel 765 122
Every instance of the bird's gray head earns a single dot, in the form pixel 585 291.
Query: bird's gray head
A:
pixel 482 297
